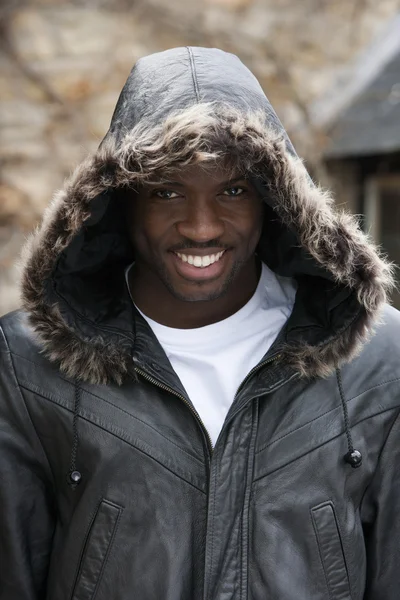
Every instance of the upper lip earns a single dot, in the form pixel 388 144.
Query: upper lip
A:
pixel 199 252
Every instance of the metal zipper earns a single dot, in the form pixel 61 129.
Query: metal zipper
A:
pixel 250 374
pixel 190 407
pixel 212 483
pixel 254 370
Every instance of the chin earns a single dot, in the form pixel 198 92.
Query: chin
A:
pixel 199 295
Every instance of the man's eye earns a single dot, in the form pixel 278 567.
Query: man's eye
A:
pixel 233 191
pixel 166 194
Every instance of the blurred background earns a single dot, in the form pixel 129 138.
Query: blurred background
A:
pixel 331 68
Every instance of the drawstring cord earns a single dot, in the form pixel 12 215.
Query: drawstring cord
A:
pixel 75 476
pixel 352 457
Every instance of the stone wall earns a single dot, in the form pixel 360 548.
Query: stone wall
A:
pixel 62 66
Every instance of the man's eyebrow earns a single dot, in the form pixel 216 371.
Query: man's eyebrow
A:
pixel 180 184
pixel 235 180
pixel 171 183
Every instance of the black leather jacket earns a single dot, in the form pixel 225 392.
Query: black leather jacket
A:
pixel 110 489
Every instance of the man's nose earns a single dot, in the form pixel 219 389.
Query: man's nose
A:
pixel 201 222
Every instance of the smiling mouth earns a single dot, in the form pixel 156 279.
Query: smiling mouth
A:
pixel 200 261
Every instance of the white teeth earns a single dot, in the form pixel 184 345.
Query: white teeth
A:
pixel 200 261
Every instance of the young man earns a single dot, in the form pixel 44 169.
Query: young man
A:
pixel 192 403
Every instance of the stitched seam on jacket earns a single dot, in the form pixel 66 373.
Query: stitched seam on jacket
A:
pixel 192 456
pixel 123 439
pixel 26 385
pixel 194 73
pixel 397 379
pixel 319 446
pixel 246 475
pixel 244 571
pixel 19 388
pixel 331 410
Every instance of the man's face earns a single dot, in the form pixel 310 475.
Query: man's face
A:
pixel 195 234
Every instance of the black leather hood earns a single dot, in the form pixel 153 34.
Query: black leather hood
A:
pixel 181 106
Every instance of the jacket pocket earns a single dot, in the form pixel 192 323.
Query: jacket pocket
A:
pixel 331 551
pixel 96 550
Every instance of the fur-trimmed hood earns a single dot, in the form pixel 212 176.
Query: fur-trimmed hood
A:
pixel 178 107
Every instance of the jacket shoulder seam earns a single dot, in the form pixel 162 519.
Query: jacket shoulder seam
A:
pixel 141 421
pixel 36 389
pixel 373 387
pixel 110 430
pixel 194 73
pixel 327 441
pixel 383 410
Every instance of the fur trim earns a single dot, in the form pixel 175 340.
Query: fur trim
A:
pixel 202 134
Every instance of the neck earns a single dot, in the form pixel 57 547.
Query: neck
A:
pixel 159 304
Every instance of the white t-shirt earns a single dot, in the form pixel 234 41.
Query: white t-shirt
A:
pixel 212 361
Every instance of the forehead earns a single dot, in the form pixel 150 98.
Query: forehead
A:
pixel 207 175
